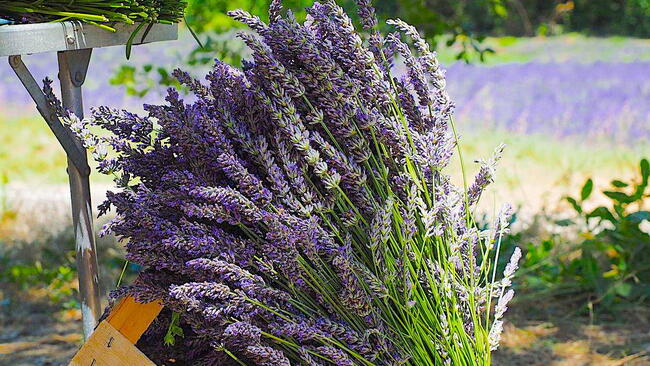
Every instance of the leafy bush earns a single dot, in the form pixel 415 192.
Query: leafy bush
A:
pixel 616 253
pixel 611 264
pixel 602 17
pixel 296 211
pixel 139 82
pixel 57 281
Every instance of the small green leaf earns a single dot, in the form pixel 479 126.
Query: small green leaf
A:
pixel 587 189
pixel 174 330
pixel 623 289
pixel 645 170
pixel 500 10
pixel 564 222
pixel 619 184
pixel 619 197
pixel 574 203
pixel 603 213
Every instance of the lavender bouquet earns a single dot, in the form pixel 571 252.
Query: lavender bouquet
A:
pixel 102 13
pixel 296 211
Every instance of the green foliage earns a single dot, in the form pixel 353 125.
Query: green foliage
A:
pixel 56 276
pixel 447 23
pixel 466 21
pixel 611 264
pixel 174 330
pixel 207 16
pixel 45 269
pixel 543 17
pixel 138 82
pixel 58 281
pixel 223 47
pixel 623 17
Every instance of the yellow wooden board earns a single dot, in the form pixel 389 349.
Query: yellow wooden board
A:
pixel 108 347
pixel 132 318
pixel 113 341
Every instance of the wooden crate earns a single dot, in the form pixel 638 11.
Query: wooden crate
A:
pixel 113 341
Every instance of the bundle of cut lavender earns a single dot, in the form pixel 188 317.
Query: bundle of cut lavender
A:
pixel 102 13
pixel 297 211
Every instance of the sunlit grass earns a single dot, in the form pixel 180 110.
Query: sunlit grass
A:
pixel 538 170
pixel 29 152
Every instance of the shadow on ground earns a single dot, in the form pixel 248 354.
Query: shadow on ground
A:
pixel 535 337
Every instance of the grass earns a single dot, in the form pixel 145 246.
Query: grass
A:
pixel 29 152
pixel 568 47
pixel 537 171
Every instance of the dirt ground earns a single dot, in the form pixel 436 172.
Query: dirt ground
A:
pixel 558 336
pixel 35 334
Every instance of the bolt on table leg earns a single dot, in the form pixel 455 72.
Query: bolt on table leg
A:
pixel 72 73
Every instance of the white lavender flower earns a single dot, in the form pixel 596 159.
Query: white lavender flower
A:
pixel 91 142
pixel 511 267
pixel 502 304
pixel 494 336
pixel 502 224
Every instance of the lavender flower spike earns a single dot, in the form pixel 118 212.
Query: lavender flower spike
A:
pixel 485 176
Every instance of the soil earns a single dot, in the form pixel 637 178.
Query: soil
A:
pixel 36 334
pixel 553 335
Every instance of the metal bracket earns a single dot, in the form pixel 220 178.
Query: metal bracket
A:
pixel 67 140
pixel 77 64
pixel 74 35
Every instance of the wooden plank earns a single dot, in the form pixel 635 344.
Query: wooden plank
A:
pixel 108 347
pixel 132 318
pixel 113 341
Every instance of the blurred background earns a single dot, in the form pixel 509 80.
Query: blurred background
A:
pixel 564 84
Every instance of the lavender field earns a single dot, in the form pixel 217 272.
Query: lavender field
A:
pixel 587 88
pixel 606 101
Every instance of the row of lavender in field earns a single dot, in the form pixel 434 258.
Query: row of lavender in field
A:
pixel 599 100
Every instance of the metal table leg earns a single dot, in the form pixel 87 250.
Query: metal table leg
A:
pixel 72 74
